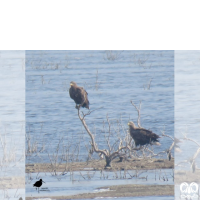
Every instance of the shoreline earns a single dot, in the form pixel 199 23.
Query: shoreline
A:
pixel 131 164
pixel 131 190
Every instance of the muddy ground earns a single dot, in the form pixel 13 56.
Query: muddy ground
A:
pixel 133 164
pixel 113 191
pixel 124 191
pixel 19 182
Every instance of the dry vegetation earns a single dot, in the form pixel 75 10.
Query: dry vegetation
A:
pixel 120 153
pixel 122 147
pixel 184 175
pixel 10 161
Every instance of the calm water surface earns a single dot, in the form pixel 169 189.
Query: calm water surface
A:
pixel 78 182
pixel 51 113
pixel 111 80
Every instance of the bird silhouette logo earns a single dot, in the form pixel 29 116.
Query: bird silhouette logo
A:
pixel 189 191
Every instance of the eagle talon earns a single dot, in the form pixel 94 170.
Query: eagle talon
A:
pixel 77 107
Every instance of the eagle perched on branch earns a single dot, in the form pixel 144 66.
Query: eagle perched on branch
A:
pixel 142 136
pixel 79 95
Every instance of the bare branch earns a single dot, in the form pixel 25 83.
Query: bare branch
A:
pixel 138 110
pixel 162 152
pixel 109 155
pixel 192 161
pixel 94 145
pixel 185 138
pixel 84 115
pixel 163 134
pixel 108 143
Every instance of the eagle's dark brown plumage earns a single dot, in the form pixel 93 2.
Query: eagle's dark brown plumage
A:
pixel 79 95
pixel 142 136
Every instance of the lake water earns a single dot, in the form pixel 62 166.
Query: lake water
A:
pixel 87 182
pixel 111 79
pixel 12 120
pixel 122 76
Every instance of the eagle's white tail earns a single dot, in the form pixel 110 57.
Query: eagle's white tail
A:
pixel 156 143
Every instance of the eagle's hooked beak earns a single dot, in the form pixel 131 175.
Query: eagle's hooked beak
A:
pixel 128 124
pixel 71 83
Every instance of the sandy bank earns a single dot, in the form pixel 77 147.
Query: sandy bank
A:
pixel 124 191
pixel 99 165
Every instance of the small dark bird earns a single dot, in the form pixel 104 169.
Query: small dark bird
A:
pixel 142 136
pixel 37 184
pixel 79 95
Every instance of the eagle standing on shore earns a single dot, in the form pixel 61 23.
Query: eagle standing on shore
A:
pixel 79 95
pixel 142 136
